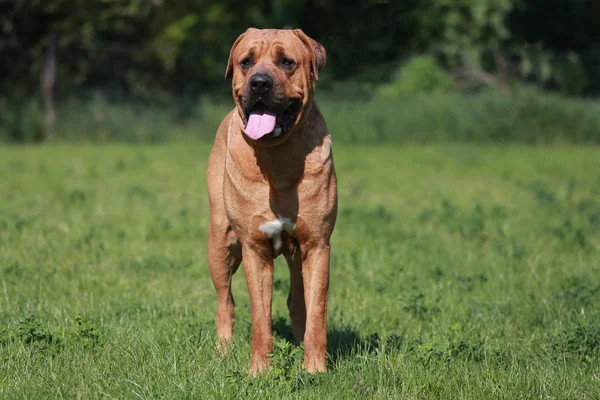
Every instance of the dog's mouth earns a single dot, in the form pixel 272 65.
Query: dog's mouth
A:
pixel 262 121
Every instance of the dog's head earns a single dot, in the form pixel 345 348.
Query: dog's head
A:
pixel 273 73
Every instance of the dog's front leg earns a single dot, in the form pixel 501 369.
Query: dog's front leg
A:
pixel 315 274
pixel 258 268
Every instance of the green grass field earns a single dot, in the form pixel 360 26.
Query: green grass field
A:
pixel 458 272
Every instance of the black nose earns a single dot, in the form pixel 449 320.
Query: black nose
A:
pixel 261 83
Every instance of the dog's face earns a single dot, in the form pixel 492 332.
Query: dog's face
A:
pixel 273 75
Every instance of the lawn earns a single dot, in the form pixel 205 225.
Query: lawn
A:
pixel 458 272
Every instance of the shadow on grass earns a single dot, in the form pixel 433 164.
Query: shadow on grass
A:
pixel 283 329
pixel 342 341
pixel 345 342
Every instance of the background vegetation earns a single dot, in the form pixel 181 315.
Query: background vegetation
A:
pixel 117 64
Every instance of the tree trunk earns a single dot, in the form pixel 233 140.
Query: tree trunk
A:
pixel 48 81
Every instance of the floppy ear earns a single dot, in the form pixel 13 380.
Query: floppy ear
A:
pixel 317 51
pixel 229 70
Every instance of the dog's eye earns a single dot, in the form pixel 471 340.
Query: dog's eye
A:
pixel 288 63
pixel 246 63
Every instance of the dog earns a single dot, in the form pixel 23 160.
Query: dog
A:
pixel 272 190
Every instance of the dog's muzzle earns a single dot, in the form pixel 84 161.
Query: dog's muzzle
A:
pixel 262 120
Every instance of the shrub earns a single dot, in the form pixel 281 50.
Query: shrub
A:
pixel 21 121
pixel 419 75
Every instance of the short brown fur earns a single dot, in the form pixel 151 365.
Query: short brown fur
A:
pixel 253 182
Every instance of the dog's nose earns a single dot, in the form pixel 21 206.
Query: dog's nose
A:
pixel 261 83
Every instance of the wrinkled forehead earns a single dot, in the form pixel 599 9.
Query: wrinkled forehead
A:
pixel 269 41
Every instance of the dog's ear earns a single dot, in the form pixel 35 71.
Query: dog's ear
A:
pixel 229 70
pixel 317 51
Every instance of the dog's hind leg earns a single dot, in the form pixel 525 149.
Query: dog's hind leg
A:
pixel 224 258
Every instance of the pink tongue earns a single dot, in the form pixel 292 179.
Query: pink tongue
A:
pixel 260 124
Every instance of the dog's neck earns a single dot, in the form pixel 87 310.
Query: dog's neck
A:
pixel 285 164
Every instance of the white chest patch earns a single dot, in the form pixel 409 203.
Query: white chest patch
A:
pixel 274 228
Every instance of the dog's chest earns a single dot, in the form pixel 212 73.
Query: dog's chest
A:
pixel 276 199
pixel 275 231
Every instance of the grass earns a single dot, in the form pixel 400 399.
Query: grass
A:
pixel 458 272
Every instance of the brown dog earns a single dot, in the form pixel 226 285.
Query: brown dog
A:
pixel 272 190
